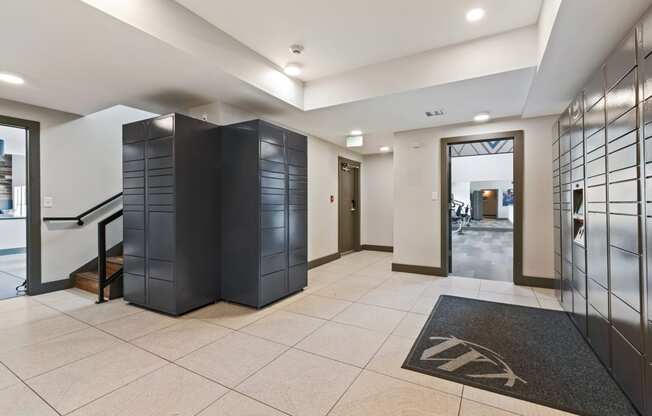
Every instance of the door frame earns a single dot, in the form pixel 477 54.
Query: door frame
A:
pixel 33 175
pixel 357 221
pixel 518 174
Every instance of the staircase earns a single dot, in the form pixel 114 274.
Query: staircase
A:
pixel 90 280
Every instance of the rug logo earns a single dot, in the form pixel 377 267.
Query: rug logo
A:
pixel 470 354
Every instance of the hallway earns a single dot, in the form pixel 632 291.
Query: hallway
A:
pixel 345 337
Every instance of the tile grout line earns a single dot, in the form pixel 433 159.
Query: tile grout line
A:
pixel 21 381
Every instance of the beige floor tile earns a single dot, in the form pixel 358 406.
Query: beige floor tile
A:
pixel 457 283
pixel 300 384
pixel 391 298
pixel 321 278
pixel 425 304
pixel 295 297
pixel 284 327
pixel 37 359
pixel 349 344
pixel 229 315
pixel 38 331
pixel 411 326
pixel 470 408
pixel 511 404
pixel 371 317
pixel 230 360
pixel 509 299
pixel 505 288
pixel 105 312
pixel 74 385
pixel 543 293
pixel 182 338
pixel 136 325
pixel 379 395
pixel 351 288
pixel 19 302
pixel 22 316
pixel 389 359
pixel 553 304
pixel 318 306
pixel 19 400
pixel 235 404
pixel 7 378
pixel 66 300
pixel 170 390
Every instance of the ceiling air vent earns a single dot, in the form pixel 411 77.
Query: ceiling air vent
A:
pixel 435 113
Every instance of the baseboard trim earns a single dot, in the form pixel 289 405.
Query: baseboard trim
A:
pixel 386 249
pixel 411 268
pixel 48 287
pixel 323 260
pixel 9 251
pixel 535 281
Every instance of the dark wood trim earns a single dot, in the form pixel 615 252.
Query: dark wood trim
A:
pixel 33 128
pixel 519 169
pixel 371 247
pixel 358 221
pixel 323 260
pixel 411 268
pixel 535 281
pixel 48 287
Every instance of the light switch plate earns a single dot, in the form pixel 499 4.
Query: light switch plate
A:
pixel 435 196
pixel 48 201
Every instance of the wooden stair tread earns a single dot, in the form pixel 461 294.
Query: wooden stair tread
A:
pixel 115 260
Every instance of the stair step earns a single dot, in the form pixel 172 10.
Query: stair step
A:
pixel 90 281
pixel 115 260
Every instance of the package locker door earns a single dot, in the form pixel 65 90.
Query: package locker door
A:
pixel 297 211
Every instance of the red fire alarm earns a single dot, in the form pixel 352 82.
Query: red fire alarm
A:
pixel 332 198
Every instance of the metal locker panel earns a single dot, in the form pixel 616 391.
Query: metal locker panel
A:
pixel 296 141
pixel 272 241
pixel 628 367
pixel 133 243
pixel 622 125
pixel 624 174
pixel 594 121
pixel 627 321
pixel 596 194
pixel 594 90
pixel 623 191
pixel 555 151
pixel 133 287
pixel 134 265
pixel 134 166
pixel 162 270
pixel 626 140
pixel 567 288
pixel 564 160
pixel 596 207
pixel 625 276
pixel 624 232
pixel 579 281
pixel 297 158
pixel 567 238
pixel 134 219
pixel 131 152
pixel 577 135
pixel 271 264
pixel 272 152
pixel 597 251
pixel 623 158
pixel 159 172
pixel 646 38
pixel 576 153
pixel 597 167
pixel 134 132
pixel 266 165
pixel 298 228
pixel 596 180
pixel 271 134
pixel 133 182
pixel 272 183
pixel 298 278
pixel 160 163
pixel 647 114
pixel 161 296
pixel 598 297
pixel 578 258
pixel 577 174
pixel 596 154
pixel 580 311
pixel 272 199
pixel 161 127
pixel 273 286
pixel 272 219
pixel 161 199
pixel 298 256
pixel 160 147
pixel 297 170
pixel 133 200
pixel 621 60
pixel 565 143
pixel 159 181
pixel 161 240
pixel 598 333
pixel 622 97
pixel 649 389
pixel 624 208
pixel 298 198
pixel 646 75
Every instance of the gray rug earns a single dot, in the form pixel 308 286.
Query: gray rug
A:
pixel 528 353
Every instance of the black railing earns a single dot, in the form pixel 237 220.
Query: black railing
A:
pixel 103 281
pixel 80 218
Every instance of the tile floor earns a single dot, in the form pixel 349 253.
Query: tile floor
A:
pixel 334 349
pixel 13 270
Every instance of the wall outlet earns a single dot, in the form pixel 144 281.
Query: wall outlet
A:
pixel 48 202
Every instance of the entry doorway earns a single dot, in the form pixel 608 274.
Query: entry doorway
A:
pixel 20 214
pixel 481 216
pixel 348 205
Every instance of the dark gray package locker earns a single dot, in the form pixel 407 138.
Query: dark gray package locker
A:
pixel 264 213
pixel 171 213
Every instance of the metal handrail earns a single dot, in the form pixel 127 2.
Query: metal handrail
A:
pixel 101 256
pixel 80 218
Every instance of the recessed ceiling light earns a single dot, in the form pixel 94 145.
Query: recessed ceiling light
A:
pixel 474 15
pixel 385 148
pixel 11 79
pixel 292 69
pixel 356 132
pixel 479 118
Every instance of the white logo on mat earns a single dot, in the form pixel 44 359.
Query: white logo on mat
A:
pixel 471 354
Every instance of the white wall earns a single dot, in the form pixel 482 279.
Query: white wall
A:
pixel 416 176
pixel 81 164
pixel 377 196
pixel 13 233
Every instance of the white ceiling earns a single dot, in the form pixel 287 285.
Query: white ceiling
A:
pixel 340 35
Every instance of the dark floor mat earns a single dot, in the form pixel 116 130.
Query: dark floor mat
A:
pixel 532 354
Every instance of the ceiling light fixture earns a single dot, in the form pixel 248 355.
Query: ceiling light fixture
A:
pixel 474 15
pixel 482 117
pixel 11 78
pixel 385 149
pixel 356 132
pixel 292 69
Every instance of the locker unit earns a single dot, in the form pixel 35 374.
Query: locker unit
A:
pixel 264 215
pixel 556 209
pixel 171 213
pixel 605 279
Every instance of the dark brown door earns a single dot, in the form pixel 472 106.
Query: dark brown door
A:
pixel 349 206
pixel 490 202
